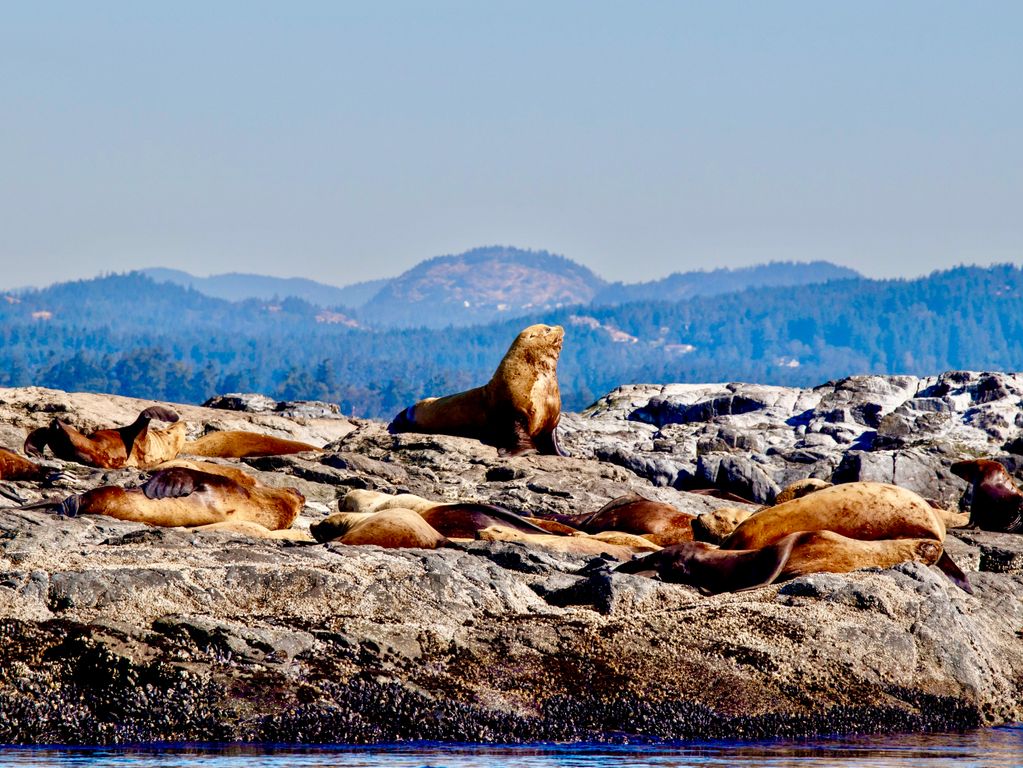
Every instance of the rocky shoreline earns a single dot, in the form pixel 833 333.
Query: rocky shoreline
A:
pixel 115 632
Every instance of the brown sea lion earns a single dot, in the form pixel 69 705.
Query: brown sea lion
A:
pixel 800 488
pixel 465 520
pixel 235 444
pixel 136 445
pixel 362 500
pixel 713 570
pixel 14 467
pixel 714 527
pixel 188 497
pixel 390 528
pixel 582 545
pixel 997 503
pixel 661 523
pixel 861 511
pixel 516 411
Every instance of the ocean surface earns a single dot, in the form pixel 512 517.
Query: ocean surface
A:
pixel 990 748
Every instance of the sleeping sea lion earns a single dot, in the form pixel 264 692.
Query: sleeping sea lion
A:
pixel 862 511
pixel 713 570
pixel 516 411
pixel 582 545
pixel 800 488
pixel 189 497
pixel 714 527
pixel 465 520
pixel 235 444
pixel 865 511
pixel 390 528
pixel 997 503
pixel 654 520
pixel 362 500
pixel 136 445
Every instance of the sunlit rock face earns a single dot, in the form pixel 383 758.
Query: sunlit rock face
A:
pixel 115 631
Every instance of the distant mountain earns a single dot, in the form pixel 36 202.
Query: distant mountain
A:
pixel 685 285
pixel 487 284
pixel 481 285
pixel 237 286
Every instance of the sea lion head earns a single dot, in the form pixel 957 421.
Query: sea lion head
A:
pixel 337 525
pixel 538 344
pixel 716 526
pixel 979 470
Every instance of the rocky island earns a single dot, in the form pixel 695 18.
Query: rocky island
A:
pixel 118 632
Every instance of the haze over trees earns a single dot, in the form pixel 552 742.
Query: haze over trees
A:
pixel 126 334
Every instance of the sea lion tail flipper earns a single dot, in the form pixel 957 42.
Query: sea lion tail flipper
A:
pixel 37 441
pixel 955 574
pixel 404 421
pixel 159 412
pixel 70 506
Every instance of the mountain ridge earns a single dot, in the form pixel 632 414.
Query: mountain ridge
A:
pixel 493 282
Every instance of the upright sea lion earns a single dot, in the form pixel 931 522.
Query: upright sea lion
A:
pixel 390 528
pixel 189 497
pixel 997 503
pixel 235 444
pixel 136 445
pixel 713 570
pixel 516 411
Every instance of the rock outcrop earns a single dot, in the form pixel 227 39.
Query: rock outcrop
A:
pixel 114 631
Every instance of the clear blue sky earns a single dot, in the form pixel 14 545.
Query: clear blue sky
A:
pixel 347 141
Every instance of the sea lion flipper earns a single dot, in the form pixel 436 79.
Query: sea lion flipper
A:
pixel 519 441
pixel 955 574
pixel 171 483
pixel 70 506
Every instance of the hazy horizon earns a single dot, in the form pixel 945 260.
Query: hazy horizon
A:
pixel 348 142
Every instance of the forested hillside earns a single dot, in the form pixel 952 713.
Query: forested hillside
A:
pixel 125 334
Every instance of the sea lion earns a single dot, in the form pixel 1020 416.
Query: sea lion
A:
pixel 189 497
pixel 465 520
pixel 997 502
pixel 714 527
pixel 256 531
pixel 235 444
pixel 661 523
pixel 516 411
pixel 136 445
pixel 390 528
pixel 862 511
pixel 582 545
pixel 800 488
pixel 362 500
pixel 713 570
pixel 14 467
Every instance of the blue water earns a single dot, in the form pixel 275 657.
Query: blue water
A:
pixel 990 748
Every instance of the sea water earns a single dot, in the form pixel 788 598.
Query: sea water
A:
pixel 990 748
